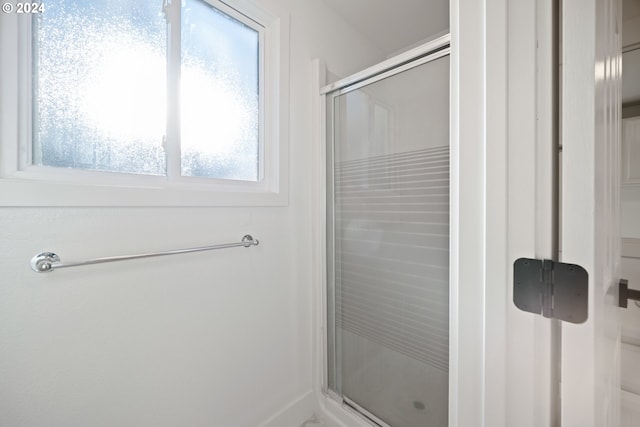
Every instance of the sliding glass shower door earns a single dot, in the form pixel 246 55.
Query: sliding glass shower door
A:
pixel 388 244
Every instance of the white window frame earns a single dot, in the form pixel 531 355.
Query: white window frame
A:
pixel 24 184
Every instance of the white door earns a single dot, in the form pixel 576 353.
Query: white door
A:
pixel 518 379
pixel 590 135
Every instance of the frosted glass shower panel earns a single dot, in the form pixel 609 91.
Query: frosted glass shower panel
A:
pixel 390 262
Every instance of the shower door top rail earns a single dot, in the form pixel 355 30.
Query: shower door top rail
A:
pixel 424 50
pixel 48 261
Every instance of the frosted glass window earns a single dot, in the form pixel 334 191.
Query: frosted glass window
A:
pixel 101 97
pixel 100 86
pixel 219 95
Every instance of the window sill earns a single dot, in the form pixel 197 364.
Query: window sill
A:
pixel 135 192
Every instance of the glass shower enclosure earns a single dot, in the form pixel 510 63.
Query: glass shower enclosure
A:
pixel 388 241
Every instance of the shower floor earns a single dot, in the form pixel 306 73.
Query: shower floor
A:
pixel 398 389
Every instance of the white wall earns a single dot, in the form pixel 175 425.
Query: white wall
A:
pixel 210 339
pixel 630 213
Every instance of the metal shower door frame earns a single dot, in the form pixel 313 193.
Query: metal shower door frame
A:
pixel 428 52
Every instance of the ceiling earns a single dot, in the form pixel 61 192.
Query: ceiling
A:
pixel 392 26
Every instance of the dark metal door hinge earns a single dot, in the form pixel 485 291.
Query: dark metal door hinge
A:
pixel 554 289
pixel 625 294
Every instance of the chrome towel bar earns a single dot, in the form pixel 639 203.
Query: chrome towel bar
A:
pixel 49 261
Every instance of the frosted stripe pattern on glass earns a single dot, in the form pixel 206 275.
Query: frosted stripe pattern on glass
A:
pixel 392 252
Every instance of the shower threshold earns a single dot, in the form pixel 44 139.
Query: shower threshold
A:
pixel 364 413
